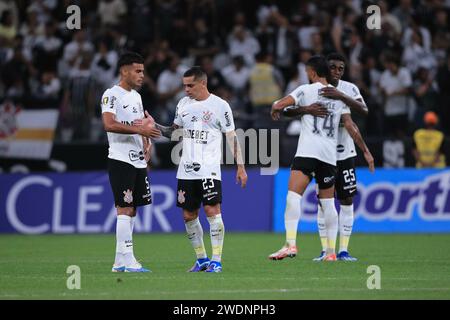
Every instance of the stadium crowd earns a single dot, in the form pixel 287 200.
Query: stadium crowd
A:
pixel 253 52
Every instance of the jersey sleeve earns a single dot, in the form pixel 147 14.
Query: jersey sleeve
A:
pixel 177 119
pixel 226 118
pixel 299 95
pixel 355 93
pixel 109 102
pixel 345 109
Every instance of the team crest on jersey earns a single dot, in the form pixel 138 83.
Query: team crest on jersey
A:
pixel 207 116
pixel 128 196
pixel 181 198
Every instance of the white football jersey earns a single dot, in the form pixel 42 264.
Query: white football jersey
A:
pixel 127 106
pixel 346 145
pixel 202 124
pixel 318 138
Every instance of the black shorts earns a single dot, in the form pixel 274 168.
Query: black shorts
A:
pixel 346 179
pixel 191 193
pixel 324 173
pixel 130 185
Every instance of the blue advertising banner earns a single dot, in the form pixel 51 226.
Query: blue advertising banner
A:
pixel 390 200
pixel 83 203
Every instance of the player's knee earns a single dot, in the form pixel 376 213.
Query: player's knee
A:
pixel 212 210
pixel 128 211
pixel 346 201
pixel 190 215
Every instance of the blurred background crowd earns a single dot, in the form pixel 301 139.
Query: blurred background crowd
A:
pixel 254 52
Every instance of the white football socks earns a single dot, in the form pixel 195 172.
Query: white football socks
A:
pixel 292 217
pixel 331 223
pixel 217 233
pixel 195 234
pixel 345 226
pixel 124 241
pixel 322 229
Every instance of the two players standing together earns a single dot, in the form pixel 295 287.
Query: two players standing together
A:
pixel 203 117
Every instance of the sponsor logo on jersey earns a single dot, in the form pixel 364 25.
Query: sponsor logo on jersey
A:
pixel 128 196
pixel 207 115
pixel 135 155
pixel 194 119
pixel 135 110
pixel 199 136
pixel 128 123
pixel 328 179
pixel 189 167
pixel 112 101
pixel 340 148
pixel 227 119
pixel 181 198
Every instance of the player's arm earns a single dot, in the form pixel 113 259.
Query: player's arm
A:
pixel 354 132
pixel 235 147
pixel 315 109
pixel 356 105
pixel 279 105
pixel 146 127
pixel 167 131
pixel 147 148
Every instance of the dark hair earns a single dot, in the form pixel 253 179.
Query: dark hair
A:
pixel 336 56
pixel 129 58
pixel 319 64
pixel 196 72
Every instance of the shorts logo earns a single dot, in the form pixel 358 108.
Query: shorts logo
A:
pixel 340 148
pixel 328 179
pixel 206 116
pixel 128 196
pixel 189 167
pixel 181 198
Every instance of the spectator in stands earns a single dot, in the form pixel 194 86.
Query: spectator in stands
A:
pixel 266 85
pixel 112 12
pixel 8 30
pixel 425 93
pixel 395 84
pixel 428 148
pixel 236 76
pixel 170 87
pixel 242 43
pixel 73 53
pixel 443 81
pixel 216 82
pixel 203 42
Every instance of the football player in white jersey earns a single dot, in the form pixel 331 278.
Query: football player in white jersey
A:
pixel 315 156
pixel 202 117
pixel 348 93
pixel 128 154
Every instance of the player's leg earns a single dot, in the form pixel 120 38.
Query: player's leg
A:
pixel 325 177
pixel 322 230
pixel 212 198
pixel 122 178
pixel 189 200
pixel 299 179
pixel 141 197
pixel 217 234
pixel 345 191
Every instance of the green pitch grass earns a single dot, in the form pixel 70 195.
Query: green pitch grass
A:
pixel 412 267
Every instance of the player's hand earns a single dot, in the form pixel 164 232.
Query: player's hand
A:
pixel 331 92
pixel 317 110
pixel 370 161
pixel 147 149
pixel 275 114
pixel 241 176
